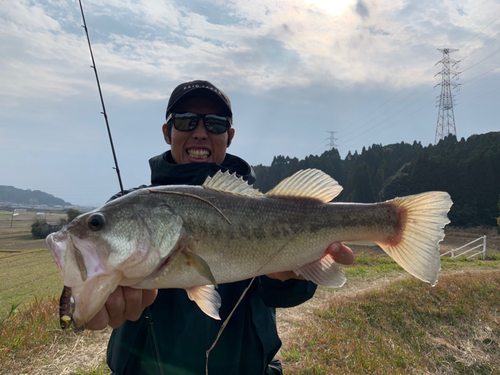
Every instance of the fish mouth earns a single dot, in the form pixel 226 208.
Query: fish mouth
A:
pixel 56 242
pixel 79 304
pixel 84 293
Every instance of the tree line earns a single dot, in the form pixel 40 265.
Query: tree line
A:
pixel 469 170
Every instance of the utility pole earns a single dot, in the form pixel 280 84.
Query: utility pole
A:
pixel 332 140
pixel 446 117
pixel 12 219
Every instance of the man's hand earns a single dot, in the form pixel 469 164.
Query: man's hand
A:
pixel 340 253
pixel 123 304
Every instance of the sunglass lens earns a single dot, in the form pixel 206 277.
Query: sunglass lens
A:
pixel 216 124
pixel 185 121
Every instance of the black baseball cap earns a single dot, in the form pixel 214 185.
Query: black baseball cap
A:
pixel 199 88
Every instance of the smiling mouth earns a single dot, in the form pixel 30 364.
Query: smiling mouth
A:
pixel 196 153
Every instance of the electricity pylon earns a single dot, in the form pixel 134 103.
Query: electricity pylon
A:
pixel 332 140
pixel 446 117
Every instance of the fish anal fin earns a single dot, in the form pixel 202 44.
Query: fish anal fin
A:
pixel 230 183
pixel 199 264
pixel 420 228
pixel 207 299
pixel 324 272
pixel 308 183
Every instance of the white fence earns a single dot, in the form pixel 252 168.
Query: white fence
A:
pixel 462 250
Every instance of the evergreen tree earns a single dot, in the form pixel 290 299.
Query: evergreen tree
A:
pixel 359 185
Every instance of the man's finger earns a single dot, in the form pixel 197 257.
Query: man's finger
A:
pixel 133 303
pixel 148 297
pixel 100 321
pixel 116 308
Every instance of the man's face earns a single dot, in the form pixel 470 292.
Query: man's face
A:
pixel 198 145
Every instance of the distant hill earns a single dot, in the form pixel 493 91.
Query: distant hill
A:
pixel 12 195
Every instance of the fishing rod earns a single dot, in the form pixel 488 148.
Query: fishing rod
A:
pixel 65 301
pixel 102 99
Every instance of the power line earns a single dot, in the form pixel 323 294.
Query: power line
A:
pixel 482 45
pixel 384 121
pixel 480 61
pixel 418 110
pixel 414 91
pixel 479 32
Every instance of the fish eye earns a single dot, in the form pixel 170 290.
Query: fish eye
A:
pixel 96 222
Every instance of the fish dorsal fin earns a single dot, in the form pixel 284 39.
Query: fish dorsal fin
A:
pixel 230 183
pixel 307 183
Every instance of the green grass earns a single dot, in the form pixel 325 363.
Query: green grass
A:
pixel 27 275
pixel 26 266
pixel 378 266
pixel 102 369
pixel 406 328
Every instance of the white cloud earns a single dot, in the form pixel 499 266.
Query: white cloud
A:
pixel 262 45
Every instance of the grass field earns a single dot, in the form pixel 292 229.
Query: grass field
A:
pixel 381 322
pixel 26 266
pixel 405 328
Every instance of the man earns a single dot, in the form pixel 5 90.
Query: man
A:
pixel 173 334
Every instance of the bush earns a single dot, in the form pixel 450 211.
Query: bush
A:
pixel 41 229
pixel 72 213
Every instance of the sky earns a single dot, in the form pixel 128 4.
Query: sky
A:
pixel 302 75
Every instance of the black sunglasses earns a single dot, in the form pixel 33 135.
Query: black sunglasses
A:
pixel 188 121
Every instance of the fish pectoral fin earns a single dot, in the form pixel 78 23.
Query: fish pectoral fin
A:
pixel 308 183
pixel 324 272
pixel 207 299
pixel 200 266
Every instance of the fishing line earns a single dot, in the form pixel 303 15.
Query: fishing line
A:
pixel 102 99
pixel 184 194
pixel 241 298
pixel 225 323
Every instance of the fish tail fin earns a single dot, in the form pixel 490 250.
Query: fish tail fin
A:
pixel 415 246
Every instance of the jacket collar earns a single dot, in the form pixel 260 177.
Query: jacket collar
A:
pixel 164 170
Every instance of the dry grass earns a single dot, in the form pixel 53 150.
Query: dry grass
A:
pixel 31 342
pixel 405 328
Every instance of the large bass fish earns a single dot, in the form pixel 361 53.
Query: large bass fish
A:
pixel 195 237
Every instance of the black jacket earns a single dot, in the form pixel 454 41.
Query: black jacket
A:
pixel 175 334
